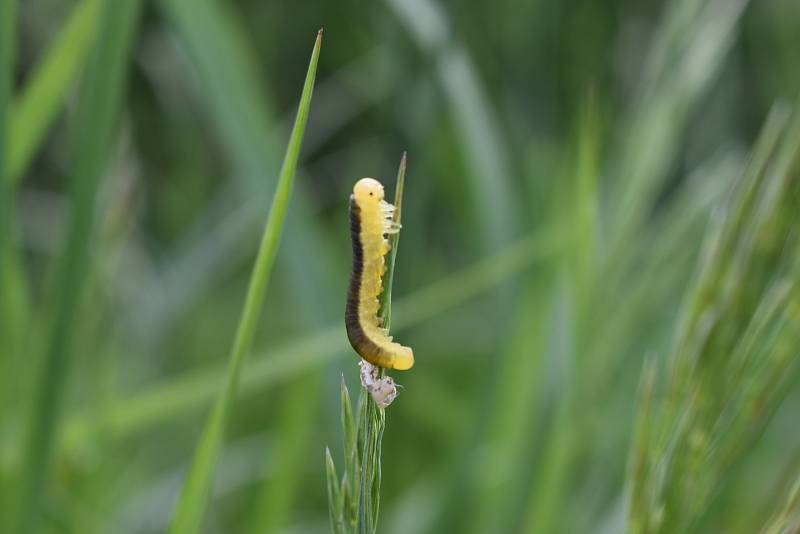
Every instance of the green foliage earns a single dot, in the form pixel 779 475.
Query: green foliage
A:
pixel 189 512
pixel 735 354
pixel 43 96
pixel 102 92
pixel 584 363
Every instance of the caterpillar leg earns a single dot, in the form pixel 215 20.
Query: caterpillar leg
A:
pixel 393 228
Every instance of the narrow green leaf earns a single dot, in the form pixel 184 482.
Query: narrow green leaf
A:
pixel 489 178
pixel 351 477
pixel 386 297
pixel 7 35
pixel 687 54
pixel 349 427
pixel 637 468
pixel 7 312
pixel 734 357
pixel 229 83
pixel 189 513
pixel 224 66
pixel 98 109
pixel 334 495
pixel 43 96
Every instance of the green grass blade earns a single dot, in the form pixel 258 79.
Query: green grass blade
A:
pixel 690 49
pixel 489 176
pixel 100 101
pixel 385 310
pixel 40 100
pixel 518 388
pixel 7 35
pixel 334 494
pixel 7 311
pixel 189 512
pixel 351 458
pixel 216 41
pixel 223 65
pixel 734 356
pixel 343 504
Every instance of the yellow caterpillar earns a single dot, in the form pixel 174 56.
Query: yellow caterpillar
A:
pixel 370 221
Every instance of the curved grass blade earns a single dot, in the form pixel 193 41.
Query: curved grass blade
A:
pixel 189 513
pixel 733 359
pixel 37 106
pixel 490 175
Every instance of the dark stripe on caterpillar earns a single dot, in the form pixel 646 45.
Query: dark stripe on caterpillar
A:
pixel 355 333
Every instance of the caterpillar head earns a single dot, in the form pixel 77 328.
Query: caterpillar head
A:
pixel 368 190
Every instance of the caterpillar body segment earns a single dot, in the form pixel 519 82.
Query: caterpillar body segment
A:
pixel 370 221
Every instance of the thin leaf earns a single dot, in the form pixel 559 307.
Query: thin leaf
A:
pixel 488 163
pixel 189 513
pixel 43 96
pixel 385 310
pixel 233 91
pixel 334 494
pixel 7 250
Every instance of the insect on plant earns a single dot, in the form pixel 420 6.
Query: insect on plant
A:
pixel 354 499
pixel 371 218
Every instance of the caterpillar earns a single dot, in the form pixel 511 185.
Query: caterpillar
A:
pixel 370 222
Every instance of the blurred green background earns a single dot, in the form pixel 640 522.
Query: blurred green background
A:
pixel 564 158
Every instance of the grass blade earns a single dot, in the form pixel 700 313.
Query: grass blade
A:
pixel 7 311
pixel 7 19
pixel 697 46
pixel 223 65
pixel 212 34
pixel 7 34
pixel 734 357
pixel 100 101
pixel 394 239
pixel 334 494
pixel 37 106
pixel 490 173
pixel 189 512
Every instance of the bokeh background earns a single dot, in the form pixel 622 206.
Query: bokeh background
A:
pixel 563 160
